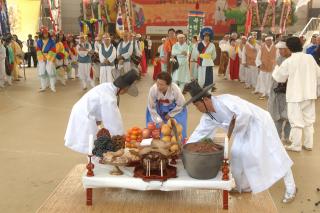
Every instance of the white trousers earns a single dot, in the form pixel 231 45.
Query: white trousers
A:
pixel 84 74
pixel 60 72
pixel 301 116
pixel 242 73
pixel 251 76
pixel 96 70
pixel 202 76
pixel 264 83
pixel 106 74
pixel 3 75
pixel 46 72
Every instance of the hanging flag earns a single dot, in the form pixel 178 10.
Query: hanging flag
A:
pixel 195 23
pixel 119 22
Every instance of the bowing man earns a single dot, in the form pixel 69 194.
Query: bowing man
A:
pixel 165 101
pixel 258 158
pixel 96 108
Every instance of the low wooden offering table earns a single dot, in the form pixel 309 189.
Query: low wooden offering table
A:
pixel 103 179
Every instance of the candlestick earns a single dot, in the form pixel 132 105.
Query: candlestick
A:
pixel 226 147
pixel 90 167
pixel 91 144
pixel 161 168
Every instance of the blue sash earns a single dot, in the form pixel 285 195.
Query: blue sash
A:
pixel 86 59
pixel 124 50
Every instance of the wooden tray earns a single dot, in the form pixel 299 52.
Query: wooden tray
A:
pixel 170 172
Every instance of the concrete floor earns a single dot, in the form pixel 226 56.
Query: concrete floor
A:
pixel 33 159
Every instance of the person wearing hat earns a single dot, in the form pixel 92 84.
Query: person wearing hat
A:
pixel 85 51
pixel 277 105
pixel 258 158
pixel 61 61
pixel 97 108
pixel 165 101
pixel 265 61
pixel 242 70
pixel 46 55
pixel 249 55
pixel 124 52
pixel 107 56
pixel 181 76
pixel 207 55
pixel 302 75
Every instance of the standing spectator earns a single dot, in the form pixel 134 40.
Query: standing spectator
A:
pixel 193 58
pixel 181 76
pixel 249 56
pixel 162 56
pixel 277 105
pixel 16 39
pixel 171 40
pixel 17 51
pixel 265 61
pixel 85 51
pixel 156 66
pixel 224 57
pixel 207 54
pixel 3 76
pixel 149 48
pixel 301 73
pixel 312 46
pixel 31 44
pixel 242 70
pixel 234 60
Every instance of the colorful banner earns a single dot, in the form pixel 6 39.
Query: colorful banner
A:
pixel 4 18
pixel 195 23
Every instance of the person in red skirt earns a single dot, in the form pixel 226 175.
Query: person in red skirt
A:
pixel 234 60
pixel 143 63
pixel 156 66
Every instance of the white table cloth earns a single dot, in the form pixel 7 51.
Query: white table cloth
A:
pixel 102 179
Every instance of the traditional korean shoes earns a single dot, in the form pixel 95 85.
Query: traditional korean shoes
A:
pixel 306 148
pixel 293 148
pixel 42 90
pixel 289 197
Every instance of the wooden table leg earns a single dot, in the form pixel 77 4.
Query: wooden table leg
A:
pixel 225 199
pixel 89 196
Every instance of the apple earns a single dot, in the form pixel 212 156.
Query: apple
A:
pixel 151 126
pixel 146 133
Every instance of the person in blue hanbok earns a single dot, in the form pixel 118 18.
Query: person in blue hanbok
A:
pixel 165 101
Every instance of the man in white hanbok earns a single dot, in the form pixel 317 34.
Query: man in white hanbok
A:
pixel 258 158
pixel 302 74
pixel 107 55
pixel 248 59
pixel 96 108
pixel 124 53
pixel 181 76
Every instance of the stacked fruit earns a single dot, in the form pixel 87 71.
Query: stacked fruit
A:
pixel 168 134
pixel 133 137
pixel 151 131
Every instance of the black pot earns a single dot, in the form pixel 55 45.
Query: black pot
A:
pixel 202 166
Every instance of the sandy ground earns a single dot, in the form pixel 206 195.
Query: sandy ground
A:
pixel 33 159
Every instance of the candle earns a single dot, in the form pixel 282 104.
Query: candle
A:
pixel 90 144
pixel 161 168
pixel 226 145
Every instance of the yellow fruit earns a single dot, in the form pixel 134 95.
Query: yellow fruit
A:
pixel 165 130
pixel 166 139
pixel 179 128
pixel 174 148
pixel 173 139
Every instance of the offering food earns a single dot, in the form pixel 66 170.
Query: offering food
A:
pixel 133 137
pixel 168 134
pixel 119 141
pixel 103 132
pixel 204 146
pixel 105 143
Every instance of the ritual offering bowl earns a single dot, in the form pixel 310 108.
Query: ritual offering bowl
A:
pixel 202 160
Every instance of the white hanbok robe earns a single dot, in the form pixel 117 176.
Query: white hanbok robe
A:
pixel 126 55
pixel 3 75
pixel 258 158
pixel 105 71
pixel 98 104
pixel 181 75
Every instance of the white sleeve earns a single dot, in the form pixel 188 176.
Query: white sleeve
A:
pixel 152 105
pixel 205 129
pixel 175 51
pixel 111 117
pixel 243 58
pixel 179 99
pixel 129 53
pixel 213 53
pixel 101 56
pixel 113 54
pixel 258 58
pixel 281 73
